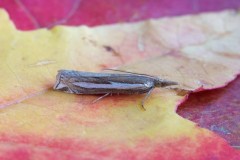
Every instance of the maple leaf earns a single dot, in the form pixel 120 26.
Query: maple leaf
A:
pixel 37 121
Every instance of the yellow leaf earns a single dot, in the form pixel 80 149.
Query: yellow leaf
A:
pixel 197 51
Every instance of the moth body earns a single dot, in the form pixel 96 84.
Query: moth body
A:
pixel 77 82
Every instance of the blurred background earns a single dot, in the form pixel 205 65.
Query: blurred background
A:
pixel 31 14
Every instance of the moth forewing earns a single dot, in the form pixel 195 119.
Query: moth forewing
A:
pixel 114 88
pixel 107 83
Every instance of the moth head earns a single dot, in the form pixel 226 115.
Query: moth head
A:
pixel 164 83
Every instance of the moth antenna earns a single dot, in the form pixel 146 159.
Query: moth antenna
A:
pixel 131 73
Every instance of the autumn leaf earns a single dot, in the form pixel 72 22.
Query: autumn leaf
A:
pixel 37 122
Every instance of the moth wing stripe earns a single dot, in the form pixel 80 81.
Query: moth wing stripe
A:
pixel 109 86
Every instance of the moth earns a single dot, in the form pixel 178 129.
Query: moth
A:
pixel 104 84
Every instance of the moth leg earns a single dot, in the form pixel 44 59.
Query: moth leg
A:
pixel 99 98
pixel 144 99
